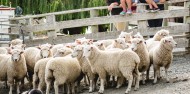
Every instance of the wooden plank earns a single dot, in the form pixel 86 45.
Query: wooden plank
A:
pixel 81 10
pixel 108 19
pixel 108 35
pixel 180 51
pixel 175 7
pixel 174 23
pixel 4 42
pixel 8 34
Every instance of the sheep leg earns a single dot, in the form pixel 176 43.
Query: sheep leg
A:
pixel 101 86
pixel 147 73
pixel 17 87
pixel 137 76
pixel 156 72
pixel 85 80
pixel 120 82
pixel 68 88
pixel 73 88
pixel 91 86
pixel 159 77
pixel 128 77
pixel 56 88
pixel 166 73
pixel 35 81
pixel 134 81
pixel 41 84
pixel 48 84
pixel 143 78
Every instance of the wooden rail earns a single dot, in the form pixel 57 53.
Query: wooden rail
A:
pixel 180 31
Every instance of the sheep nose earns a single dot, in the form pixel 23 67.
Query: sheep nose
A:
pixel 15 59
pixel 176 44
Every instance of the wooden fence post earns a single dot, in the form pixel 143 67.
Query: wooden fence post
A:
pixel 187 21
pixel 94 13
pixel 51 19
pixel 31 34
pixel 143 23
pixel 165 20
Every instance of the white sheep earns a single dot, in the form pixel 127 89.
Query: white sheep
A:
pixel 115 63
pixel 138 35
pixel 126 36
pixel 106 42
pixel 119 43
pixel 16 42
pixel 84 41
pixel 33 54
pixel 85 65
pixel 62 70
pixel 39 69
pixel 138 46
pixel 161 56
pixel 55 47
pixel 16 69
pixel 100 45
pixel 63 52
pixel 157 37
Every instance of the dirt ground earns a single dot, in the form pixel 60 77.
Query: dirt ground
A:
pixel 179 74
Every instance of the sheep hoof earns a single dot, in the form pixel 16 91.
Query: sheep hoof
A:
pixel 153 83
pixel 100 92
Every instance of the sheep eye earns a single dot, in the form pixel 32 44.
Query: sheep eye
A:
pixel 89 50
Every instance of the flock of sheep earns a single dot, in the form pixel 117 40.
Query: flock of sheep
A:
pixel 127 58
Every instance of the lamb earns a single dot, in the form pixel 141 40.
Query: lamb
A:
pixel 138 46
pixel 33 54
pixel 115 63
pixel 138 35
pixel 85 65
pixel 63 52
pixel 157 37
pixel 106 42
pixel 62 70
pixel 39 69
pixel 55 47
pixel 100 45
pixel 161 56
pixel 126 36
pixel 16 68
pixel 16 42
pixel 119 43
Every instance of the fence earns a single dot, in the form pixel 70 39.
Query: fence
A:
pixel 180 31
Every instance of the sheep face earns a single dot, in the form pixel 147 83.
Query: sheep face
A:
pixel 60 52
pixel 120 43
pixel 87 51
pixel 138 35
pixel 126 35
pixel 78 51
pixel 100 45
pixel 135 43
pixel 45 50
pixel 161 34
pixel 16 54
pixel 169 42
pixel 84 41
pixel 71 45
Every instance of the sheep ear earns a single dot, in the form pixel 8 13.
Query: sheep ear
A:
pixel 140 41
pixel 101 44
pixel 68 46
pixel 165 41
pixel 21 52
pixel 115 40
pixel 133 36
pixel 38 47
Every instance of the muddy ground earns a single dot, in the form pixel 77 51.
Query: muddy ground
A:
pixel 179 74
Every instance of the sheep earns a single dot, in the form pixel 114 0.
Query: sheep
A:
pixel 138 46
pixel 71 45
pixel 55 47
pixel 116 63
pixel 126 36
pixel 33 91
pixel 100 45
pixel 85 66
pixel 138 35
pixel 62 70
pixel 33 54
pixel 16 68
pixel 119 43
pixel 39 69
pixel 63 52
pixel 157 37
pixel 16 42
pixel 161 56
pixel 106 42
pixel 84 41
